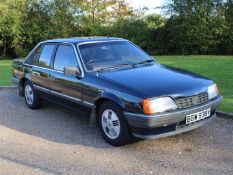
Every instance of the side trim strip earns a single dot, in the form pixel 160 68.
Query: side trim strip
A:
pixel 65 96
pixel 87 103
pixel 62 95
pixel 71 98
pixel 41 88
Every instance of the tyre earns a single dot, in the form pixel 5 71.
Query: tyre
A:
pixel 113 125
pixel 32 99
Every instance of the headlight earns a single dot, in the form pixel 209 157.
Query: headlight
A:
pixel 151 106
pixel 213 91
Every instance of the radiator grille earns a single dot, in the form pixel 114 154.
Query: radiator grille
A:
pixel 189 102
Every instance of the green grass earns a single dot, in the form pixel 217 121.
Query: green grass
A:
pixel 218 68
pixel 5 73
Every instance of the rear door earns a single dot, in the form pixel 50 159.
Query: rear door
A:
pixel 40 75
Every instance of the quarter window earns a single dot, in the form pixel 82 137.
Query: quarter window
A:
pixel 36 55
pixel 46 55
pixel 65 57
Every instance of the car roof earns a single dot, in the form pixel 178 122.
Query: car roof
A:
pixel 78 40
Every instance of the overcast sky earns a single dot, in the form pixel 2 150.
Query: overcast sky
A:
pixel 151 4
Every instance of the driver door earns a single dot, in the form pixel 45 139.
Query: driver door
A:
pixel 66 88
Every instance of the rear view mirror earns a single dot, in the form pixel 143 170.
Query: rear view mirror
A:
pixel 73 70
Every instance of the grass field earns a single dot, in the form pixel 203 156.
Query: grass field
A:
pixel 5 73
pixel 218 68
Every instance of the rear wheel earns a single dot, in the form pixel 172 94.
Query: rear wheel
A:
pixel 32 99
pixel 113 125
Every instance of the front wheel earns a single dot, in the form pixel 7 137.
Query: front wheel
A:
pixel 113 125
pixel 32 99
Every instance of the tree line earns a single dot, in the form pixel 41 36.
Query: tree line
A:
pixel 187 27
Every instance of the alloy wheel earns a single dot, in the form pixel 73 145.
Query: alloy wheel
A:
pixel 29 94
pixel 110 123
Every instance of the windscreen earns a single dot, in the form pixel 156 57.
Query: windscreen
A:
pixel 101 55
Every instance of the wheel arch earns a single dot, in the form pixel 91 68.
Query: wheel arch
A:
pixel 21 84
pixel 101 98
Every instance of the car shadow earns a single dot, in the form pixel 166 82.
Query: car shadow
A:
pixel 51 122
pixel 58 124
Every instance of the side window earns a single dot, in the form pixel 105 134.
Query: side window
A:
pixel 46 55
pixel 35 60
pixel 65 56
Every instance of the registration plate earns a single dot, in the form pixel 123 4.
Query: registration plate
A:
pixel 197 116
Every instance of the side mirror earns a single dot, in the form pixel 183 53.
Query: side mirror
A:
pixel 72 70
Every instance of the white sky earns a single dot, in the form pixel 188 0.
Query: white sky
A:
pixel 151 4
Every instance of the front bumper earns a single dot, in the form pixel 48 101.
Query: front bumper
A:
pixel 169 123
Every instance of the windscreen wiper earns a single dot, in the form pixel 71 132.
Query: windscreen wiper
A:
pixel 143 62
pixel 114 67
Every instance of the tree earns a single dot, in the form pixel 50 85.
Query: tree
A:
pixel 10 20
pixel 133 29
pixel 120 9
pixel 65 18
pixel 96 12
pixel 192 26
pixel 227 40
pixel 154 21
pixel 36 25
pixel 45 19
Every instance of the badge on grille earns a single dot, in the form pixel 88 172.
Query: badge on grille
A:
pixel 195 100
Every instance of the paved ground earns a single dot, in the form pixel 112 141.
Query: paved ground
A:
pixel 54 140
